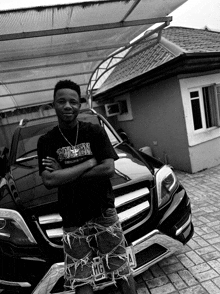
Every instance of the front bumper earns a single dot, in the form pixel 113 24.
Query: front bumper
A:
pixel 148 250
pixel 173 230
pixel 20 272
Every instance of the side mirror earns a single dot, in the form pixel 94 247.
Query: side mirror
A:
pixel 124 136
pixel 3 160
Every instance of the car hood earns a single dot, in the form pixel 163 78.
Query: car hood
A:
pixel 129 168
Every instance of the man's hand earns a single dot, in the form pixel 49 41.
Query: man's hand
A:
pixel 51 164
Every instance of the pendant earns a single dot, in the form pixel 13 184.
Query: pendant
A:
pixel 74 151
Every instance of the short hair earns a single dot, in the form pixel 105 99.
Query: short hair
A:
pixel 63 84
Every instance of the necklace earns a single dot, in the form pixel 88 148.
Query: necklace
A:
pixel 73 149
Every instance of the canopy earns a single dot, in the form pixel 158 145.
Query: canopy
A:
pixel 41 45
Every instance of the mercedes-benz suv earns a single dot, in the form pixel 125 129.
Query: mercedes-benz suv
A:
pixel 152 205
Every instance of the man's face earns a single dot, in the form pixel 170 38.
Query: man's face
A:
pixel 67 105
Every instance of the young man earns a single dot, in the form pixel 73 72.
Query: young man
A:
pixel 78 158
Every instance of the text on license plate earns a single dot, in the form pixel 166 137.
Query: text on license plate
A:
pixel 98 267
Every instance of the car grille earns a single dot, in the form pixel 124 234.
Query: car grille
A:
pixel 132 208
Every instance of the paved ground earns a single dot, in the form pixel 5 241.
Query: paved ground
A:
pixel 196 269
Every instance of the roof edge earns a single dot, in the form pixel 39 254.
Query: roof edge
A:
pixel 185 63
pixel 171 47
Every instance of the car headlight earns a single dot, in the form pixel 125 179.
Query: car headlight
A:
pixel 14 229
pixel 166 183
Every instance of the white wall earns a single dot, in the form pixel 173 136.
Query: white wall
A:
pixel 204 145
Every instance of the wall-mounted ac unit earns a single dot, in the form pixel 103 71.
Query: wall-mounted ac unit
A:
pixel 112 109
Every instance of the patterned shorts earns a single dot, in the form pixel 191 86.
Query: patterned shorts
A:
pixel 95 252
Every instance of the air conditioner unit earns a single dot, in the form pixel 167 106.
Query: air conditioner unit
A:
pixel 112 109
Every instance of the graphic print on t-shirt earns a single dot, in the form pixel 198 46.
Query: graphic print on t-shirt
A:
pixel 65 154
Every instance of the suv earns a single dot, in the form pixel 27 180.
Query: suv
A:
pixel 152 205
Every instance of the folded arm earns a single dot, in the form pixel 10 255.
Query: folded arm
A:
pixel 105 168
pixel 54 175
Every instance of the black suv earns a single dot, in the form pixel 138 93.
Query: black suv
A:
pixel 152 205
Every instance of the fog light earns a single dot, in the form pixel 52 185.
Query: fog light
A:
pixel 14 229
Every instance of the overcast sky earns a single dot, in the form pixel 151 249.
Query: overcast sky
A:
pixel 193 13
pixel 198 14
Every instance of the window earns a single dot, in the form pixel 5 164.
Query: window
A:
pixel 112 109
pixel 125 107
pixel 205 105
pixel 196 110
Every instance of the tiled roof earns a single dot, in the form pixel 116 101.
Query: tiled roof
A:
pixel 193 40
pixel 174 41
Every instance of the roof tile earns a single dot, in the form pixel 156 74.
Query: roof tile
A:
pixel 147 56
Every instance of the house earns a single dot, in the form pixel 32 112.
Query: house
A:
pixel 169 93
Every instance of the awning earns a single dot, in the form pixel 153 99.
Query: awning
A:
pixel 41 45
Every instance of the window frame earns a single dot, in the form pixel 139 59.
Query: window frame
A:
pixel 216 91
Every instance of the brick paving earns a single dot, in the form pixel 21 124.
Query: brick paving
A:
pixel 196 268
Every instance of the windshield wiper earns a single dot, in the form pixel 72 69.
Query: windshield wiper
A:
pixel 120 174
pixel 23 159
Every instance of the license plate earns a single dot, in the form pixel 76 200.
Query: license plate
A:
pixel 131 256
pixel 98 269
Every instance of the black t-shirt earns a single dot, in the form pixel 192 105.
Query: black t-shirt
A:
pixel 82 199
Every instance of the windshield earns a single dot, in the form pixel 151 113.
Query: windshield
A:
pixel 128 168
pixel 29 135
pixel 28 138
